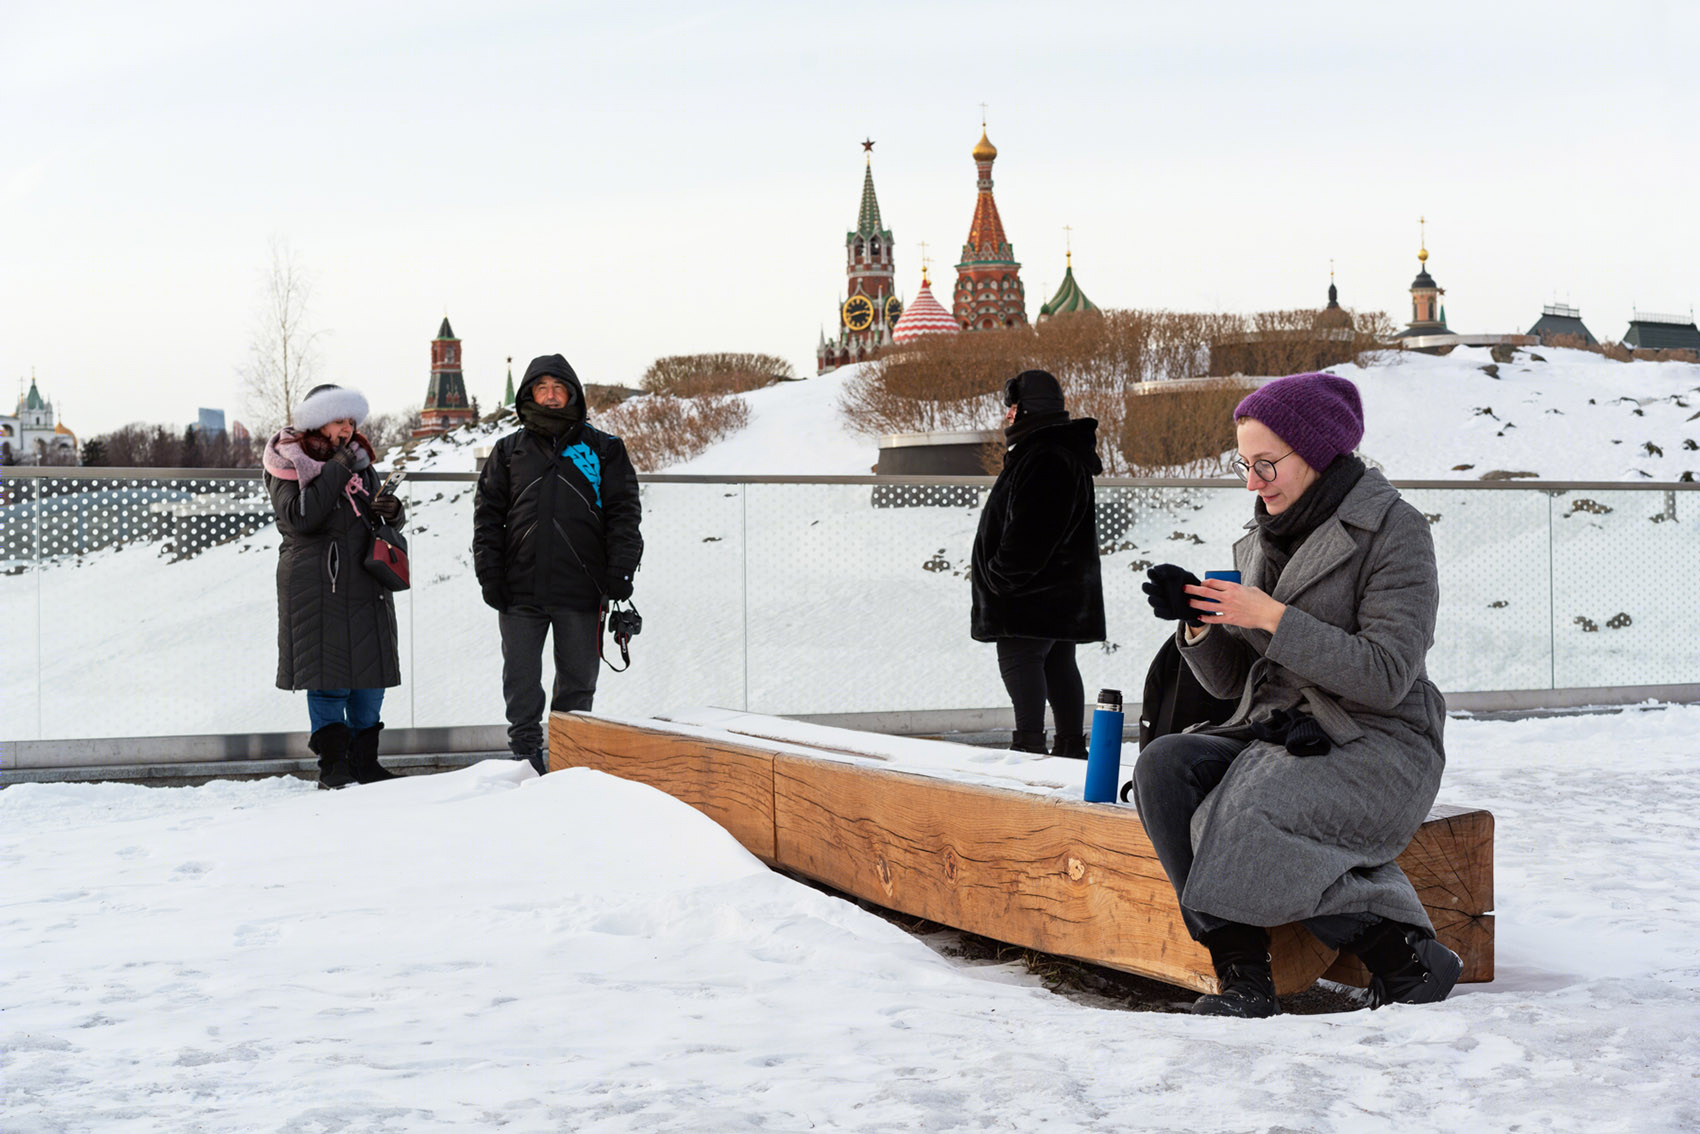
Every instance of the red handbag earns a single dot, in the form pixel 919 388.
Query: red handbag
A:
pixel 386 559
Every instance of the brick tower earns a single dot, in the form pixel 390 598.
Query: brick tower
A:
pixel 870 308
pixel 988 281
pixel 446 404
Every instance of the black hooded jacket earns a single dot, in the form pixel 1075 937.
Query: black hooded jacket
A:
pixel 1035 566
pixel 539 535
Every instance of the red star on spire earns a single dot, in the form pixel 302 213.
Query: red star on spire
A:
pixel 868 146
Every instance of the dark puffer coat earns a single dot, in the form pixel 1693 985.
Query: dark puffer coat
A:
pixel 538 533
pixel 1035 566
pixel 336 625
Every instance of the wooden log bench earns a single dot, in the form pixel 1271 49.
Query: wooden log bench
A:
pixel 1022 862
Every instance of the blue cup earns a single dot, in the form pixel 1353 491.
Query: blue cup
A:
pixel 1230 576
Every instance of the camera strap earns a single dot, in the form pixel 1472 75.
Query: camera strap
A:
pixel 622 638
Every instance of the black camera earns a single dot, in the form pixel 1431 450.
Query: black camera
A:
pixel 625 623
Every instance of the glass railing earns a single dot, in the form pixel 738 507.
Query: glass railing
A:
pixel 145 605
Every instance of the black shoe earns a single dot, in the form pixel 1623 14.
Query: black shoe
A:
pixel 1033 742
pixel 1244 977
pixel 363 756
pixel 1406 966
pixel 540 760
pixel 330 745
pixel 1248 991
pixel 1072 746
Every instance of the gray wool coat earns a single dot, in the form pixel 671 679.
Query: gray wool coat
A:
pixel 1283 838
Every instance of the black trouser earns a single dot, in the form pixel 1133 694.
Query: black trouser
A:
pixel 1039 669
pixel 576 662
pixel 1173 775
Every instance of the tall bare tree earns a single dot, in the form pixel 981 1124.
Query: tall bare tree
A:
pixel 283 352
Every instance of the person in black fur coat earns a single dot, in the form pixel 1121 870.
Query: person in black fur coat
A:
pixel 1038 590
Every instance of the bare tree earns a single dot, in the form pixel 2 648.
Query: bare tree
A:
pixel 284 357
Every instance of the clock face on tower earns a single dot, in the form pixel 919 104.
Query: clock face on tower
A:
pixel 893 311
pixel 858 312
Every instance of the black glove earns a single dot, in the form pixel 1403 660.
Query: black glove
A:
pixel 386 507
pixel 1165 594
pixel 495 596
pixel 344 455
pixel 1298 732
pixel 617 587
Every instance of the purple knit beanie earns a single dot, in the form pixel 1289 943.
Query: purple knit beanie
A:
pixel 1319 415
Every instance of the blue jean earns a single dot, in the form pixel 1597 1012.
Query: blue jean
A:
pixel 357 708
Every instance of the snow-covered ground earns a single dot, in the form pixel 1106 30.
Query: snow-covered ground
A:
pixel 486 949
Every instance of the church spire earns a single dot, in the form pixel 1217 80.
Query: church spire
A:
pixel 989 292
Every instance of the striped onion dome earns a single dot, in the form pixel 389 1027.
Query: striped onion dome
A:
pixel 924 316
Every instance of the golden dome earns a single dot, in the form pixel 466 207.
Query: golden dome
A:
pixel 985 151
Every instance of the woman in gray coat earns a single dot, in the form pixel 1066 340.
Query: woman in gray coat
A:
pixel 336 629
pixel 1295 808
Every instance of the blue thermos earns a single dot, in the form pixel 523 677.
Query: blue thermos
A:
pixel 1104 754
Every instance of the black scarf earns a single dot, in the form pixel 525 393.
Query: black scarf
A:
pixel 1281 535
pixel 551 422
pixel 1027 424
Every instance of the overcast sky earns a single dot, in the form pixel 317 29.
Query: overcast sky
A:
pixel 623 181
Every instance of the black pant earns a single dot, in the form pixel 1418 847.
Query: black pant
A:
pixel 1171 779
pixel 1036 670
pixel 576 662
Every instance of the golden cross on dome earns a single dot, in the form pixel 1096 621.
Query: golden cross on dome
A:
pixel 1068 243
pixel 982 116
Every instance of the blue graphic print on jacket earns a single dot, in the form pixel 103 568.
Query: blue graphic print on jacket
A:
pixel 589 464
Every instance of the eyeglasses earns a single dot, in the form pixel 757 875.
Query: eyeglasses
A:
pixel 1265 470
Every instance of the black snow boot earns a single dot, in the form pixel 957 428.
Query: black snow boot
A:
pixel 1028 742
pixel 330 745
pixel 1073 747
pixel 1406 966
pixel 1246 983
pixel 363 756
pixel 540 760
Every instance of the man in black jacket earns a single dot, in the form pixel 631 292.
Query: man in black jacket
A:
pixel 555 536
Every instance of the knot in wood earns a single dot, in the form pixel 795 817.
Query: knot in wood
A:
pixel 883 869
pixel 1076 869
pixel 950 865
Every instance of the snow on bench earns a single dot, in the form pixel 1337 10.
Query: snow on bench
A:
pixel 987 841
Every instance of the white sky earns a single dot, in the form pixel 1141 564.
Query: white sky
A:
pixel 619 182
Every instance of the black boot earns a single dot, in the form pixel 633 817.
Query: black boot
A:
pixel 1240 955
pixel 1072 746
pixel 1406 966
pixel 363 756
pixel 330 745
pixel 1028 742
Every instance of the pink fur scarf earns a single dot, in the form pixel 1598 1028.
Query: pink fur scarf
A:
pixel 286 458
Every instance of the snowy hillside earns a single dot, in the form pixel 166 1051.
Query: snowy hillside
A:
pixel 1574 416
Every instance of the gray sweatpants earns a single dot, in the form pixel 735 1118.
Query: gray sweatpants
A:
pixel 576 664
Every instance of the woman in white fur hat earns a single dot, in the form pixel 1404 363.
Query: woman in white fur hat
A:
pixel 336 634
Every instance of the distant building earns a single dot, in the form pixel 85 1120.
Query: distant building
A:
pixel 1661 332
pixel 446 403
pixel 1561 321
pixel 33 435
pixel 209 423
pixel 989 292
pixel 924 316
pixel 1428 314
pixel 1333 317
pixel 870 308
pixel 1069 299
